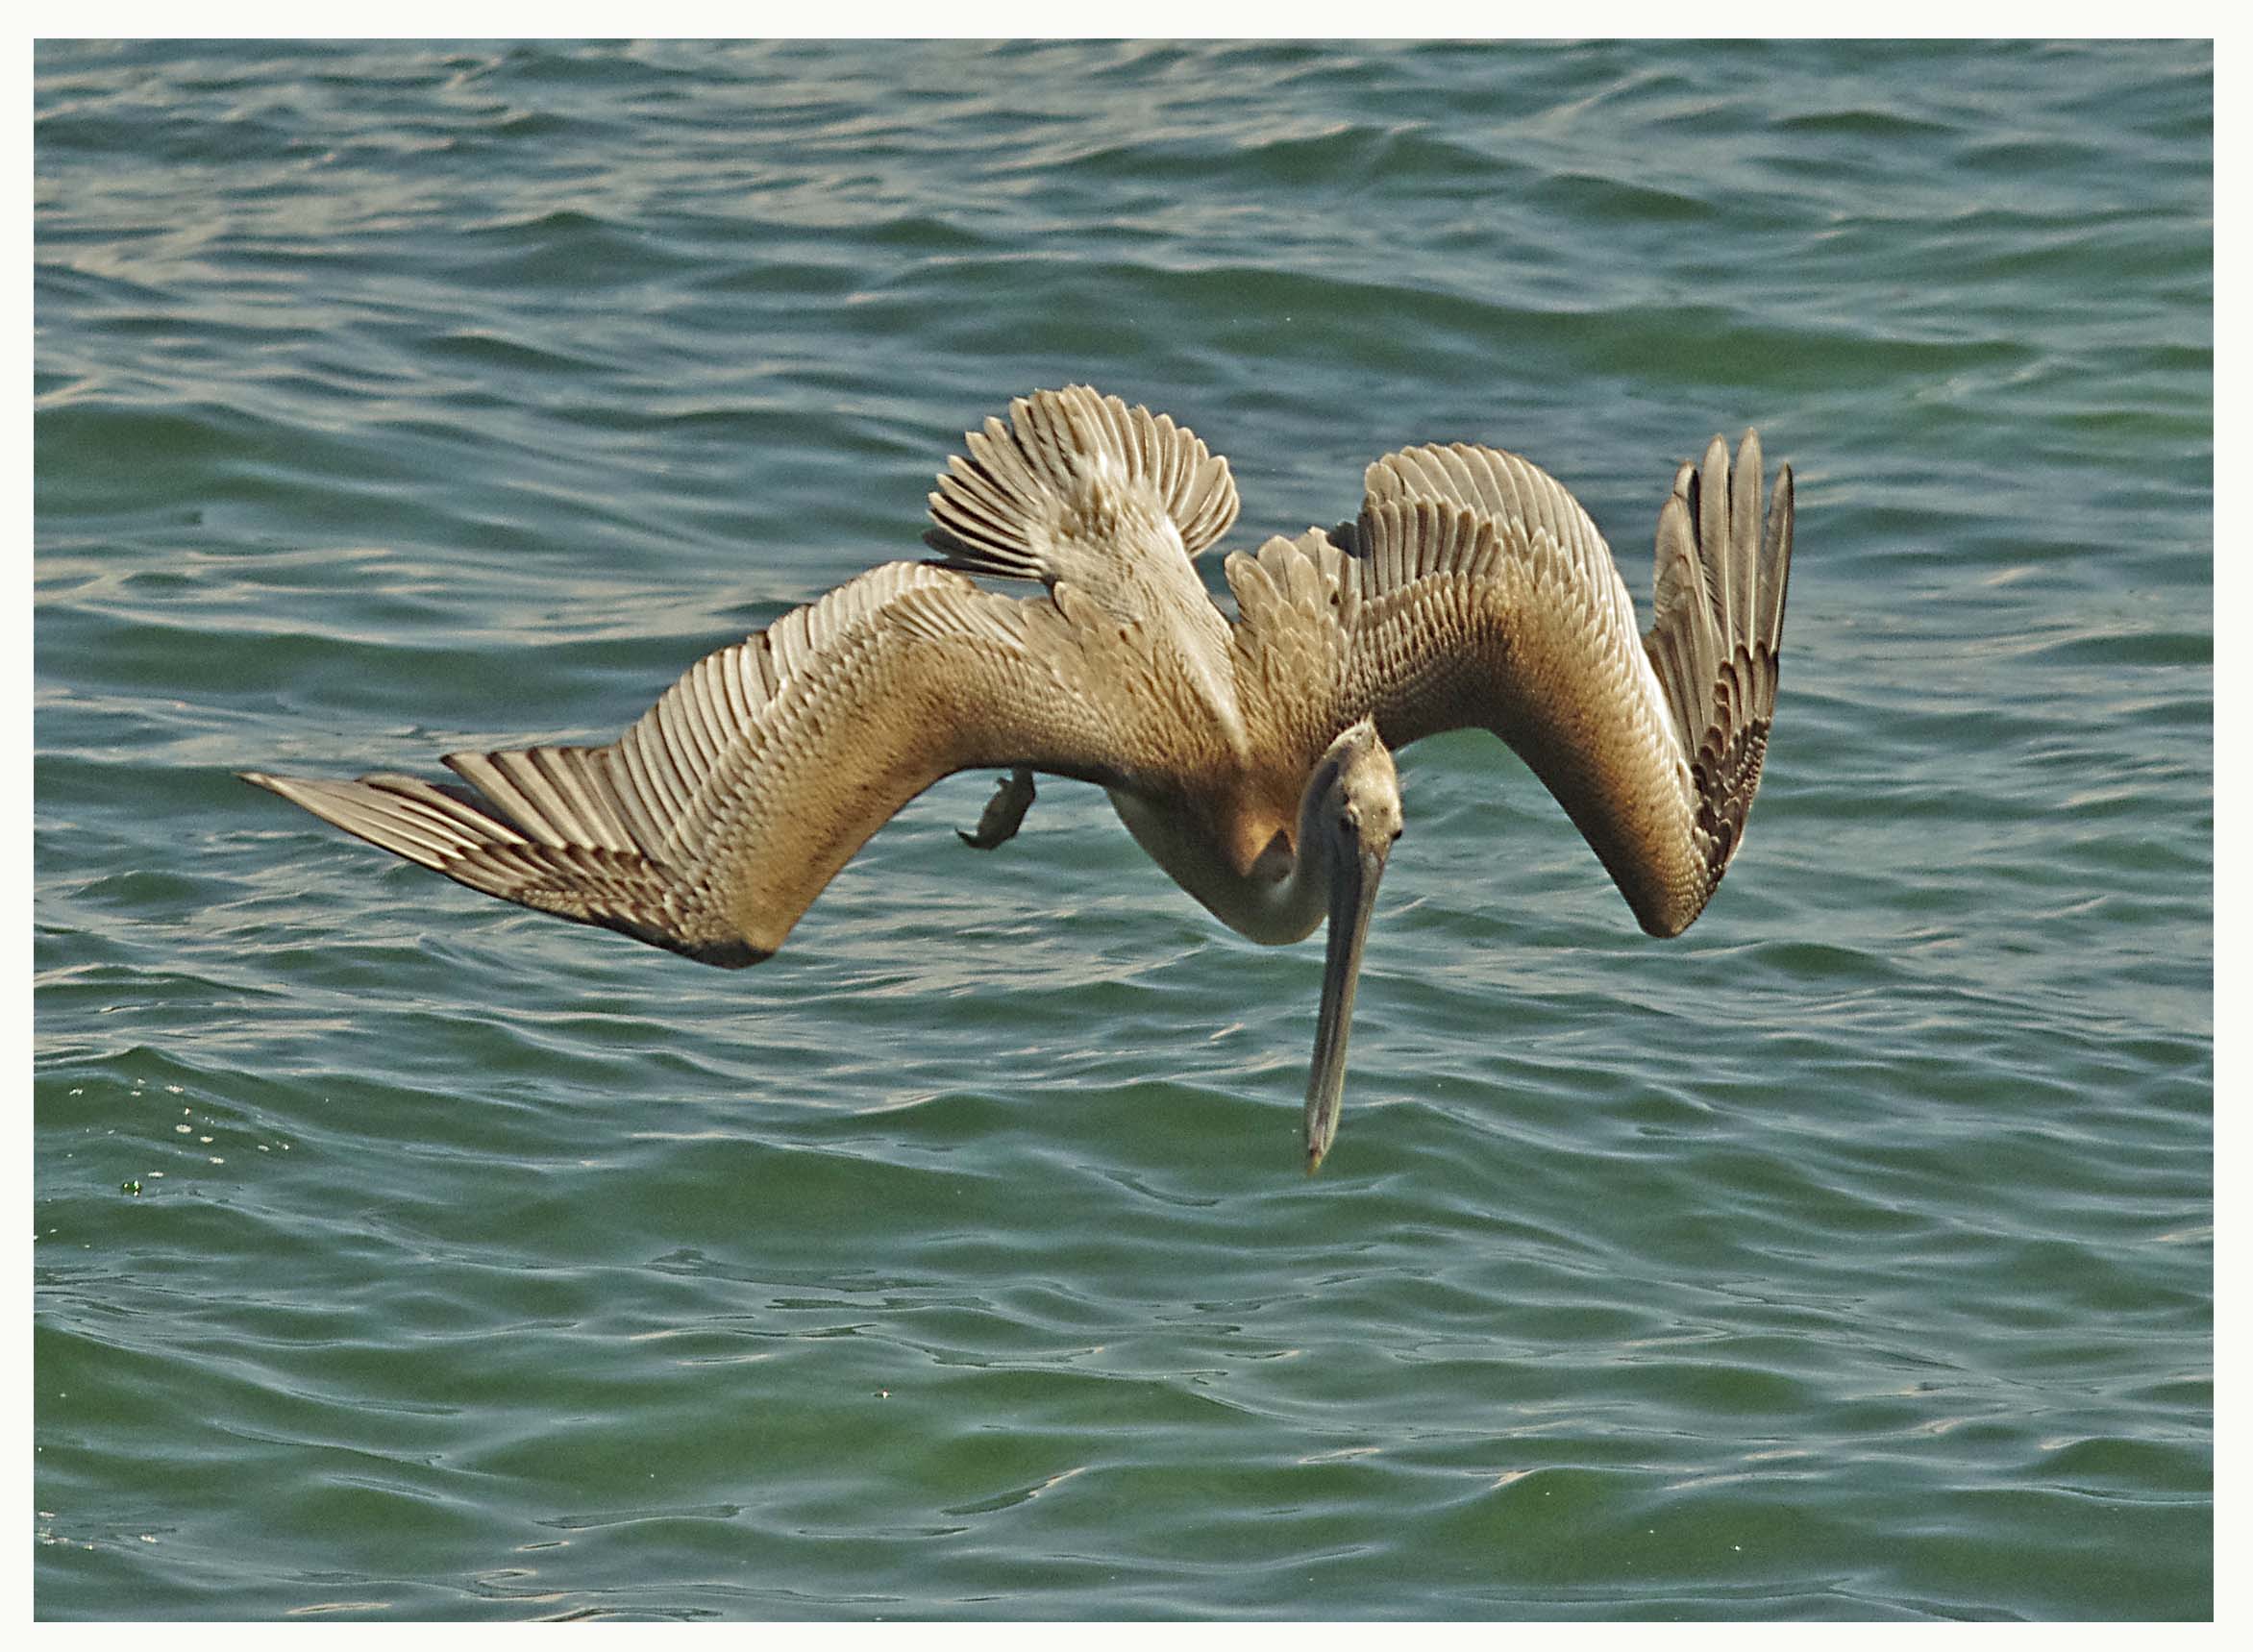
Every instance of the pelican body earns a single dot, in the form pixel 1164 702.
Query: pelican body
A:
pixel 1251 757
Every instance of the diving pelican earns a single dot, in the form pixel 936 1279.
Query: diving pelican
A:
pixel 1251 758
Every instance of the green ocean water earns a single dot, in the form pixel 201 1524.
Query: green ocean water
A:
pixel 403 1254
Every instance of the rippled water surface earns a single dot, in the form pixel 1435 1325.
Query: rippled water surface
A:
pixel 401 1254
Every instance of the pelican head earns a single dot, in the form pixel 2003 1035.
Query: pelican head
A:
pixel 1350 816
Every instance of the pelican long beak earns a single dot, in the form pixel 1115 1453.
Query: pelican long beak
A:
pixel 1352 897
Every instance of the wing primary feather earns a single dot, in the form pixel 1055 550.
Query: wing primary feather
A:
pixel 1713 535
pixel 1776 563
pixel 1744 480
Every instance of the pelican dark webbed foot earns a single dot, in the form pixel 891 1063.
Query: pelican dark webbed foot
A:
pixel 1005 812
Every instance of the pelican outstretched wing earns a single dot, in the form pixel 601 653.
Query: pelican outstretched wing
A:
pixel 1473 591
pixel 710 826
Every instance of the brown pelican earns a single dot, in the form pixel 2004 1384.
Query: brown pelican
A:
pixel 1251 757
